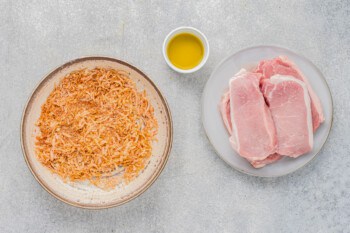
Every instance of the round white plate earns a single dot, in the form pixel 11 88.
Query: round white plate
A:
pixel 215 128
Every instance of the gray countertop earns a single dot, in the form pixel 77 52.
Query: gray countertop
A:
pixel 197 191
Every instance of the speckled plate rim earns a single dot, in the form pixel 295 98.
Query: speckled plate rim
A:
pixel 276 47
pixel 140 190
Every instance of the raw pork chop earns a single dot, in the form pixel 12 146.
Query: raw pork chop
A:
pixel 290 107
pixel 283 66
pixel 226 116
pixel 253 131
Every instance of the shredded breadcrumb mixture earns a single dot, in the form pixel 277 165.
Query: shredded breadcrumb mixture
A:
pixel 94 126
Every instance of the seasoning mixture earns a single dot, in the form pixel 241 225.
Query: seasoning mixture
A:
pixel 95 125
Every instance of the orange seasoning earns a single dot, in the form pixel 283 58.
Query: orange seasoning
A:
pixel 94 126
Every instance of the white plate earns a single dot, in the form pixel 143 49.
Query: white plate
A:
pixel 218 83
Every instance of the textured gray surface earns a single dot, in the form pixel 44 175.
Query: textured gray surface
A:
pixel 197 192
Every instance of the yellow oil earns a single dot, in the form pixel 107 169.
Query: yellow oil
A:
pixel 185 51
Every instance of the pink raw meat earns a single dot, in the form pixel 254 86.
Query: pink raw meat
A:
pixel 253 131
pixel 225 107
pixel 226 116
pixel 283 66
pixel 290 107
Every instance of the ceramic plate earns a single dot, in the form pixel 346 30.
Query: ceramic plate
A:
pixel 218 83
pixel 82 194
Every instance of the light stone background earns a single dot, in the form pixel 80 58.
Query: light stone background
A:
pixel 197 191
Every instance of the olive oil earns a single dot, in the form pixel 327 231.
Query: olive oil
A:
pixel 185 51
